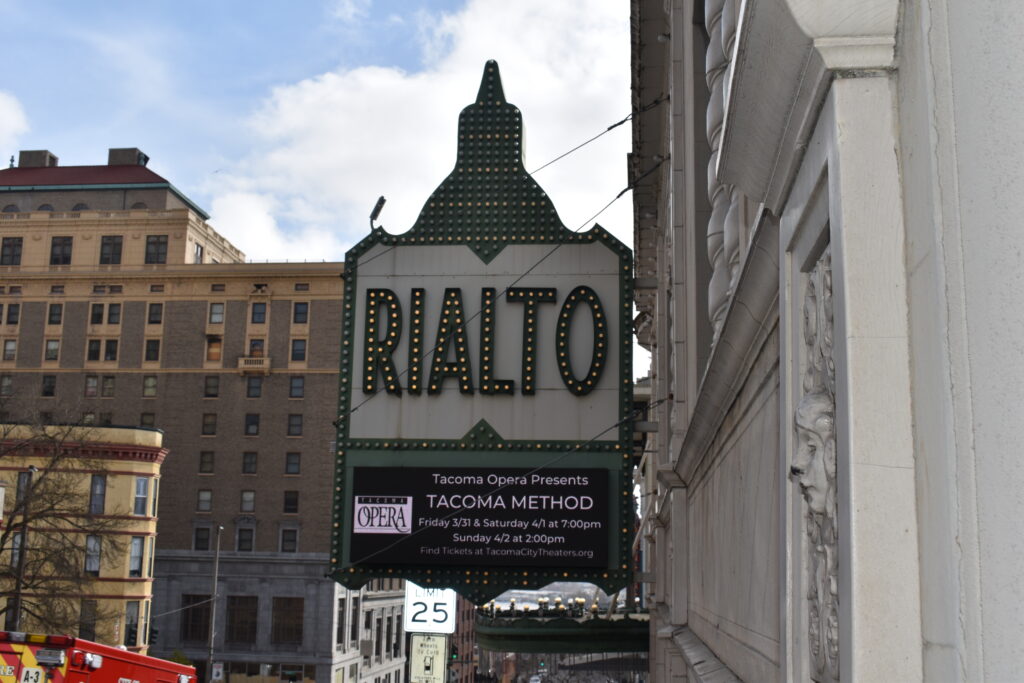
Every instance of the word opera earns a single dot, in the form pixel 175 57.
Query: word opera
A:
pixel 449 347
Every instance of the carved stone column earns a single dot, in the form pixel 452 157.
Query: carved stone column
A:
pixel 724 226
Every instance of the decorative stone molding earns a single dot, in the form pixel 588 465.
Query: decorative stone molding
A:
pixel 787 52
pixel 724 226
pixel 814 470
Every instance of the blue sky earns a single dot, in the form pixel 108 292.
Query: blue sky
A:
pixel 286 121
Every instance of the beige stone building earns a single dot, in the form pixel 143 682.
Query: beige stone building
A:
pixel 122 306
pixel 82 499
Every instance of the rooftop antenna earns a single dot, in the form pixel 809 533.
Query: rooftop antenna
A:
pixel 12 162
pixel 376 210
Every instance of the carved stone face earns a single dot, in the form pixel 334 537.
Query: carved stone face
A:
pixel 814 464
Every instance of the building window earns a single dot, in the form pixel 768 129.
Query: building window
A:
pixel 60 251
pixel 131 623
pixel 256 348
pixel 114 314
pixel 286 621
pixel 141 495
pixel 253 387
pixel 289 540
pixel 248 503
pixel 295 424
pixel 107 386
pixel 10 349
pixel 204 500
pixel 13 313
pixel 244 540
pixel 80 207
pixel 147 420
pixel 296 386
pixel 206 462
pixel 152 352
pixel 198 254
pixel 92 383
pixel 209 424
pixel 201 538
pixel 353 623
pixel 149 386
pixel 110 349
pixel 99 289
pixel 97 494
pixel 195 618
pixel 92 351
pixel 299 350
pixel 156 288
pixel 49 385
pixel 93 550
pixel 55 314
pixel 301 286
pixel 259 313
pixel 155 314
pixel 292 463
pixel 10 251
pixel 96 314
pixel 252 424
pixel 242 619
pixel 87 620
pixel 300 312
pixel 249 462
pixel 136 552
pixel 52 351
pixel 106 419
pixel 216 313
pixel 291 502
pixel 56 289
pixel 213 348
pixel 110 249
pixel 339 634
pixel 211 386
pixel 156 248
pixel 7 385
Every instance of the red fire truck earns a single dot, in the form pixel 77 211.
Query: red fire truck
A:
pixel 30 658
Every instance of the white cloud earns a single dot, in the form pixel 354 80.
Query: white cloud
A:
pixel 326 147
pixel 349 11
pixel 13 122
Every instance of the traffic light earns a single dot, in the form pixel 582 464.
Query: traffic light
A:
pixel 542 663
pixel 455 652
pixel 153 633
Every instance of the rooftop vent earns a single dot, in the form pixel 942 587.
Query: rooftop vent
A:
pixel 36 158
pixel 126 156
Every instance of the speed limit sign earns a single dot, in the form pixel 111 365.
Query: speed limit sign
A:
pixel 429 610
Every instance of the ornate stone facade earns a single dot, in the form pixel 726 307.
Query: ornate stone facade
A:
pixel 814 470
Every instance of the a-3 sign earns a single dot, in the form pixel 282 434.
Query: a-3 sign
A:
pixel 428 610
pixel 483 432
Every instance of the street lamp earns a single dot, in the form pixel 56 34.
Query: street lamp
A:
pixel 213 607
pixel 22 548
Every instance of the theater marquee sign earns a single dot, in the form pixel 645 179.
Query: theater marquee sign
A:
pixel 483 433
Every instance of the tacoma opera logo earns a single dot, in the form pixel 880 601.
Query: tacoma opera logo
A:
pixel 383 515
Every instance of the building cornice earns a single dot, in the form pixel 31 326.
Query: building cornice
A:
pixel 786 54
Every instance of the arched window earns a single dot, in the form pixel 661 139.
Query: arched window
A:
pixel 11 208
pixel 139 205
pixel 45 207
pixel 80 207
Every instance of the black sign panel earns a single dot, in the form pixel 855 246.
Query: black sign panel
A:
pixel 479 516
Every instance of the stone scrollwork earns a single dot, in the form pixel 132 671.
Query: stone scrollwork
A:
pixel 814 470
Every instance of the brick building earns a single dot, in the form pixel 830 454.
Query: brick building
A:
pixel 122 306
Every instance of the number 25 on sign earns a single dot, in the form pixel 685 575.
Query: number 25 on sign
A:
pixel 428 610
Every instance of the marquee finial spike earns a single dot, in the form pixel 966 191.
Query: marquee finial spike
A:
pixel 490 84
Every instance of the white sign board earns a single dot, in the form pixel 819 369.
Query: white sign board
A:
pixel 429 610
pixel 427 659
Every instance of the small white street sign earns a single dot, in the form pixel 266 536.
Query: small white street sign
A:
pixel 427 658
pixel 429 610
